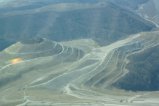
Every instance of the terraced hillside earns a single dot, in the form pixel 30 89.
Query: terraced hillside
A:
pixel 78 72
pixel 79 53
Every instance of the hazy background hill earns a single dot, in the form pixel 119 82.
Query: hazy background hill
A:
pixel 104 22
pixel 129 4
pixel 150 11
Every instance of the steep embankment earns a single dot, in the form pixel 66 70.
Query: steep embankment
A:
pixel 143 66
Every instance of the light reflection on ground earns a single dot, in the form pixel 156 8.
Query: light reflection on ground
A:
pixel 16 60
